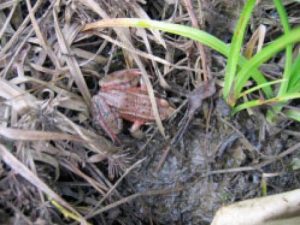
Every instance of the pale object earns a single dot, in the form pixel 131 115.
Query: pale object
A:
pixel 271 210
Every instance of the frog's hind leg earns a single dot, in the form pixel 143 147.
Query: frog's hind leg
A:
pixel 106 118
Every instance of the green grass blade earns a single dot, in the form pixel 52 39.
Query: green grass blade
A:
pixel 235 49
pixel 289 48
pixel 293 114
pixel 186 31
pixel 259 102
pixel 265 54
pixel 294 84
pixel 271 115
pixel 260 86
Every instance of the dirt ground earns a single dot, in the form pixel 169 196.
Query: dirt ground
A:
pixel 49 71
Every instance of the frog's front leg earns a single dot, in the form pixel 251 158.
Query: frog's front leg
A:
pixel 106 117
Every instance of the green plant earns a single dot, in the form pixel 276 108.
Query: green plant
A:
pixel 289 85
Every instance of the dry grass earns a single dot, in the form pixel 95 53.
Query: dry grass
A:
pixel 49 70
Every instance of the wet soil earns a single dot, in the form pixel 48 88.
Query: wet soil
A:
pixel 210 168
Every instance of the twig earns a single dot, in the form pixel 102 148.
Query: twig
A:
pixel 204 65
pixel 115 185
pixel 257 166
pixel 134 196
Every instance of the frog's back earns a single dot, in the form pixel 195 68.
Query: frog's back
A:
pixel 133 105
